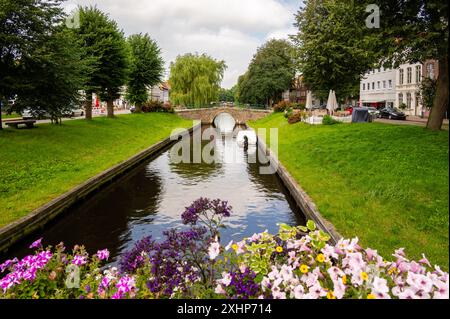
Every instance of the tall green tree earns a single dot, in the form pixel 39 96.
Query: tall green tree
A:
pixel 55 76
pixel 24 25
pixel 105 48
pixel 414 31
pixel 332 46
pixel 146 69
pixel 227 95
pixel 195 79
pixel 269 74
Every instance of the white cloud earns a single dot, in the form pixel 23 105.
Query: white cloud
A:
pixel 230 30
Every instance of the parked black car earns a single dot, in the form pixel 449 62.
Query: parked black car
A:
pixel 392 114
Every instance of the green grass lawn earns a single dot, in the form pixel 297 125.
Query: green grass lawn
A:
pixel 386 184
pixel 10 116
pixel 40 164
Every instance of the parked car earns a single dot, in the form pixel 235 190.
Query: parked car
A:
pixel 27 114
pixel 392 114
pixel 133 109
pixel 75 113
pixel 349 109
pixel 374 112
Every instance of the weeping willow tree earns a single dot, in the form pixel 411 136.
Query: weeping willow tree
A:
pixel 195 79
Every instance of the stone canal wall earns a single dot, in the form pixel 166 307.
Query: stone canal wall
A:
pixel 37 219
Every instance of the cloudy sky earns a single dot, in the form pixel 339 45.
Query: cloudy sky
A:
pixel 230 30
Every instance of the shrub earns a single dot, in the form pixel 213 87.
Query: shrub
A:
pixel 288 112
pixel 328 120
pixel 281 106
pixel 157 106
pixel 297 117
pixel 298 262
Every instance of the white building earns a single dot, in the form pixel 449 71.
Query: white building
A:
pixel 409 77
pixel 378 88
pixel 394 87
pixel 160 92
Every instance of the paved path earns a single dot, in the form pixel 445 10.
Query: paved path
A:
pixel 72 118
pixel 410 121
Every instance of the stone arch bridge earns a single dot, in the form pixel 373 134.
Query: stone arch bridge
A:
pixel 207 115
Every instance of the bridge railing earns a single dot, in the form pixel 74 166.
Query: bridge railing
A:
pixel 229 104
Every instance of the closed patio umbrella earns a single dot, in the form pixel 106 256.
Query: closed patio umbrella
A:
pixel 309 105
pixel 332 102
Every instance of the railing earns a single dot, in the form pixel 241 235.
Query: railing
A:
pixel 229 104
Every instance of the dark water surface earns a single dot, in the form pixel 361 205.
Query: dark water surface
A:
pixel 150 199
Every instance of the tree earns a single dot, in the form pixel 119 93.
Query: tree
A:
pixel 332 46
pixel 106 50
pixel 195 79
pixel 146 70
pixel 415 31
pixel 227 95
pixel 269 74
pixel 24 25
pixel 55 75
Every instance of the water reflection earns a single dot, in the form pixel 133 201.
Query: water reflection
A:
pixel 151 198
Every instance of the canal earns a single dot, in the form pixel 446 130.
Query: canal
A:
pixel 150 199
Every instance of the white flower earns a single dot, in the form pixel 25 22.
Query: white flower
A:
pixel 299 292
pixel 219 290
pixel 380 286
pixel 226 279
pixel 214 250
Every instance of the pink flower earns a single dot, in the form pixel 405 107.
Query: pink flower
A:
pixel 442 290
pixel 425 261
pixel 380 285
pixel 36 244
pixel 316 292
pixel 226 279
pixel 219 290
pixel 103 254
pixel 79 260
pixel 299 292
pixel 214 250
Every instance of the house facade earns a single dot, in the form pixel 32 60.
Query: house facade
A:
pixel 378 88
pixel 298 93
pixel 398 87
pixel 160 92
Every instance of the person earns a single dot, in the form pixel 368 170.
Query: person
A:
pixel 245 143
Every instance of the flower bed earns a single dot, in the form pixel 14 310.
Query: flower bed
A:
pixel 297 263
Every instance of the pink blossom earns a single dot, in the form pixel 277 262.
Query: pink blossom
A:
pixel 36 244
pixel 103 254
pixel 380 285
pixel 219 290
pixel 226 279
pixel 298 292
pixel 214 250
pixel 79 260
pixel 425 261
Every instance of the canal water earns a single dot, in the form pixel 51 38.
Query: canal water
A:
pixel 151 198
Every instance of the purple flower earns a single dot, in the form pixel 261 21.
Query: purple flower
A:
pixel 103 254
pixel 36 244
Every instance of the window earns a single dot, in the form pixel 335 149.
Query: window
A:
pixel 364 86
pixel 378 85
pixel 384 84
pixel 401 77
pixel 418 73
pixel 400 99
pixel 408 100
pixel 409 75
pixel 430 70
pixel 373 85
pixel 390 84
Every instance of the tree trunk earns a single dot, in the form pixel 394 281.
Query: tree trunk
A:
pixel 138 108
pixel 440 105
pixel 88 107
pixel 110 108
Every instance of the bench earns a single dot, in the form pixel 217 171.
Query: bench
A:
pixel 16 123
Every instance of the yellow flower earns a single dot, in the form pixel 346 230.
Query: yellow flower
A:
pixel 320 258
pixel 279 249
pixel 330 295
pixel 304 269
pixel 392 270
pixel 364 276
pixel 344 280
pixel 234 246
pixel 371 296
